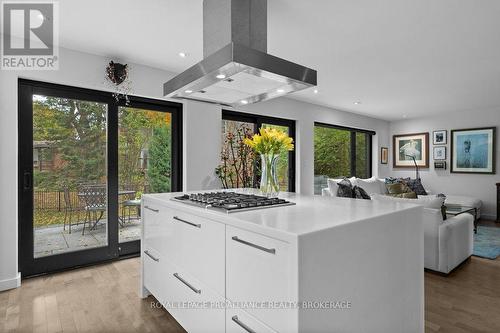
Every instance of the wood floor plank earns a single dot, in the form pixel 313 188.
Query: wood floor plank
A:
pixel 105 298
pixel 102 298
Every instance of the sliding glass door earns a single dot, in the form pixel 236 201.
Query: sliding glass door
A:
pixel 84 163
pixel 144 163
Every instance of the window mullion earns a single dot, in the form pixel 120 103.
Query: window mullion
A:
pixel 353 154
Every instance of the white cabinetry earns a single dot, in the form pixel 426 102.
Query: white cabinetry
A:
pixel 258 270
pixel 254 271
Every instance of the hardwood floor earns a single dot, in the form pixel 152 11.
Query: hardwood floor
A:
pixel 105 298
pixel 101 298
pixel 468 300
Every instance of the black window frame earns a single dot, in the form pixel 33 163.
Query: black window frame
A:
pixel 258 120
pixel 353 131
pixel 28 265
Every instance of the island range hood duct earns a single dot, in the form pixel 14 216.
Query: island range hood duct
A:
pixel 236 70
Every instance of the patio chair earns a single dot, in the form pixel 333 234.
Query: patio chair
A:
pixel 128 205
pixel 69 209
pixel 94 197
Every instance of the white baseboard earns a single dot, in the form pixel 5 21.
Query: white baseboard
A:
pixel 11 283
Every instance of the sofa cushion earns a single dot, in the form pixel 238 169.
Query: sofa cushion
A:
pixel 465 201
pixel 430 201
pixel 370 185
pixel 354 181
pixel 333 185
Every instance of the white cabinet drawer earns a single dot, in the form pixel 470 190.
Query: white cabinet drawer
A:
pixel 258 270
pixel 153 271
pixel 153 233
pixel 200 249
pixel 188 241
pixel 238 321
pixel 195 306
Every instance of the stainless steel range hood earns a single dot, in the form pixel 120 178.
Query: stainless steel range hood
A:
pixel 236 69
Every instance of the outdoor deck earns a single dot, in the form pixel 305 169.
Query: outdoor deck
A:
pixel 54 240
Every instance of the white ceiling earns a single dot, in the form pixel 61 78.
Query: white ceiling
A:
pixel 398 57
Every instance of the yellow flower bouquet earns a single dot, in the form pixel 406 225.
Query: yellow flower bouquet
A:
pixel 269 143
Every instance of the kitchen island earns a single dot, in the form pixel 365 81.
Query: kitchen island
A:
pixel 323 264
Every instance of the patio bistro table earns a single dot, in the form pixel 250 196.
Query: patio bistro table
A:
pixel 120 193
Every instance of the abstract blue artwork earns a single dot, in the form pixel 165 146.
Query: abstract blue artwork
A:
pixel 473 150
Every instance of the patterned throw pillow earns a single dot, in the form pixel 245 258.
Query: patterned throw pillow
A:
pixel 359 193
pixel 392 180
pixel 401 185
pixel 397 188
pixel 345 189
pixel 416 186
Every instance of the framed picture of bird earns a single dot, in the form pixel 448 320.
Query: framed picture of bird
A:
pixel 410 150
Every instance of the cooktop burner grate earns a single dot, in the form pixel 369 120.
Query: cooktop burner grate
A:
pixel 231 201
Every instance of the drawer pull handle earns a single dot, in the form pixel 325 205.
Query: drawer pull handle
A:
pixel 146 252
pixel 265 249
pixel 187 222
pixel 152 209
pixel 198 291
pixel 242 325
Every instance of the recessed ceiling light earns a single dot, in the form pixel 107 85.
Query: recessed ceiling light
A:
pixel 405 116
pixel 221 76
pixel 316 91
pixel 188 91
pixel 357 102
pixel 244 101
pixel 182 54
pixel 281 91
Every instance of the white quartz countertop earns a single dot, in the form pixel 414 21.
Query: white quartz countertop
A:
pixel 309 214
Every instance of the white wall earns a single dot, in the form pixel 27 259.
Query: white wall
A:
pixel 201 132
pixel 443 181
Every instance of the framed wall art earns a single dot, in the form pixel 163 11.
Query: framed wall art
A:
pixel 439 137
pixel 410 147
pixel 473 150
pixel 439 153
pixel 384 155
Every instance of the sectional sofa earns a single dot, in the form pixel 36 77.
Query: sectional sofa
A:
pixel 447 242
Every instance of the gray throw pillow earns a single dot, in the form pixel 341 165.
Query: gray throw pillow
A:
pixel 345 189
pixel 360 193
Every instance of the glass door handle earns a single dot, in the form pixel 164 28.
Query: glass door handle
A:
pixel 27 182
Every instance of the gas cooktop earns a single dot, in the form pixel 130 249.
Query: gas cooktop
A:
pixel 231 202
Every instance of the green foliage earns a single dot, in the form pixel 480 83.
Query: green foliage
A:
pixel 332 152
pixel 76 131
pixel 159 160
pixel 361 155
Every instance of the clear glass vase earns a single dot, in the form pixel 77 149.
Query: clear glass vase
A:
pixel 269 185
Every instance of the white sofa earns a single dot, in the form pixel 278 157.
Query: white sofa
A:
pixel 447 243
pixel 377 185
